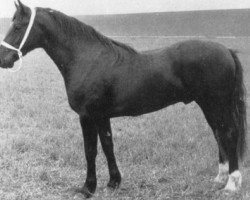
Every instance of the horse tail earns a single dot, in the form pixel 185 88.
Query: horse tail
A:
pixel 239 106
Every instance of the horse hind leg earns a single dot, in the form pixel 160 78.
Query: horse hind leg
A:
pixel 212 116
pixel 235 136
pixel 223 171
pixel 227 137
pixel 232 141
pixel 229 142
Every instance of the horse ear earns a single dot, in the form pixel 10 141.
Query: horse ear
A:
pixel 19 3
pixel 17 6
pixel 21 7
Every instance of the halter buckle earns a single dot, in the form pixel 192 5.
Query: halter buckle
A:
pixel 20 54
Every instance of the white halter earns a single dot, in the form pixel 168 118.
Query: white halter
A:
pixel 20 55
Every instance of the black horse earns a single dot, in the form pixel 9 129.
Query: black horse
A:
pixel 105 78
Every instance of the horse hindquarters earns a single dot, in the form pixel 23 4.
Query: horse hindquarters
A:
pixel 226 115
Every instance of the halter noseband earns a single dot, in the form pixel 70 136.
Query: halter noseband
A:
pixel 20 55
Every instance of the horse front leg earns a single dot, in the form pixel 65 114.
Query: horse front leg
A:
pixel 105 134
pixel 90 146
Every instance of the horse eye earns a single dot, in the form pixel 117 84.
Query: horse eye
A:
pixel 17 27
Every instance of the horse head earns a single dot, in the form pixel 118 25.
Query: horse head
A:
pixel 22 36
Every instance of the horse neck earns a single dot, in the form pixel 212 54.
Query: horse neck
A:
pixel 69 51
pixel 59 50
pixel 66 52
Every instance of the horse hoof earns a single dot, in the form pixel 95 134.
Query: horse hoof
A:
pixel 85 192
pixel 115 181
pixel 234 182
pixel 221 178
pixel 223 173
pixel 113 184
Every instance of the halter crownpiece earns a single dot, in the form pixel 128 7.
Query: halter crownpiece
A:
pixel 19 52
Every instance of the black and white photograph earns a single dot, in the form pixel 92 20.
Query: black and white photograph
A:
pixel 124 100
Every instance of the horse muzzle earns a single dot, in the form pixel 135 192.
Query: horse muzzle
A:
pixel 8 61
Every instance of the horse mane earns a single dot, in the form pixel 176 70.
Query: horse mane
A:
pixel 75 28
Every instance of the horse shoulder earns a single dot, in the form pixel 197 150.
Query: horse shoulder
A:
pixel 89 93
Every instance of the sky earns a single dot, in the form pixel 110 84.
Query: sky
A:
pixel 93 7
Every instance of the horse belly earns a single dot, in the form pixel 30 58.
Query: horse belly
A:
pixel 149 98
pixel 155 101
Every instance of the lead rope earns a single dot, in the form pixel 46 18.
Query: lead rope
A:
pixel 20 55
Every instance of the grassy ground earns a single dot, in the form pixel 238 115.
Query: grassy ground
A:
pixel 170 154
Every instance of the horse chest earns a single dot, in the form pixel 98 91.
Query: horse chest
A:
pixel 88 99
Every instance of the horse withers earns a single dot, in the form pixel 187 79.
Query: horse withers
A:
pixel 105 79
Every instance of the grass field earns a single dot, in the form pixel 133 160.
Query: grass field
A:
pixel 170 154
